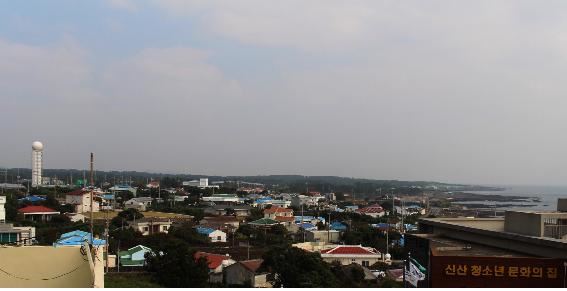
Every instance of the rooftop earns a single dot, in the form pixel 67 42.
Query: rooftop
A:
pixel 252 265
pixel 37 209
pixel 214 260
pixel 350 250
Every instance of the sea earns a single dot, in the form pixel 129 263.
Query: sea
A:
pixel 547 197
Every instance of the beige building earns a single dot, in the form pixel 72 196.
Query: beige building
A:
pixel 81 200
pixel 245 273
pixel 151 225
pixel 325 236
pixel 22 235
pixel 50 267
pixel 346 255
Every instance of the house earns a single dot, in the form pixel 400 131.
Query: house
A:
pixel 77 238
pixel 217 264
pixel 235 210
pixel 123 188
pixel 326 236
pixel 288 222
pixel 153 185
pixel 348 254
pixel 134 257
pixel 275 211
pixel 298 200
pixel 264 222
pixel 37 213
pixel 351 208
pixel 81 200
pixel 309 219
pixel 224 223
pixel 150 225
pixel 19 236
pixel 372 210
pixel 246 274
pixel 222 198
pixel 139 203
pixel 338 226
pixel 214 234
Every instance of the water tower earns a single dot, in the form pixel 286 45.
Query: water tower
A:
pixel 37 163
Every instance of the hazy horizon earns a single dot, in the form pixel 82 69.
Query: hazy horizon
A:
pixel 446 91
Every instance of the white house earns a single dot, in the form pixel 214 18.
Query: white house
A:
pixel 139 203
pixel 214 234
pixel 134 257
pixel 216 263
pixel 152 225
pixel 81 200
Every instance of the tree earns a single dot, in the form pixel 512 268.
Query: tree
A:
pixel 175 266
pixel 296 268
pixel 188 234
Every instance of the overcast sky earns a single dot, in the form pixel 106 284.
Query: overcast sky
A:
pixel 455 91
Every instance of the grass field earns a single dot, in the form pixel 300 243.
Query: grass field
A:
pixel 112 214
pixel 128 280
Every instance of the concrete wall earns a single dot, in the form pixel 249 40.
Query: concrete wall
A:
pixel 562 204
pixel 49 267
pixel 523 223
pixel 322 236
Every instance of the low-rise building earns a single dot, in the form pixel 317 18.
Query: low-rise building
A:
pixel 138 203
pixel 346 255
pixel 37 213
pixel 222 198
pixel 77 238
pixel 81 201
pixel 134 257
pixel 216 263
pixel 264 222
pixel 240 210
pixel 246 274
pixel 326 236
pixel 151 225
pixel 214 235
pixel 275 211
pixel 20 236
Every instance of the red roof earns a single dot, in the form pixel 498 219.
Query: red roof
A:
pixel 214 260
pixel 350 250
pixel 252 265
pixel 285 218
pixel 371 209
pixel 78 192
pixel 277 210
pixel 35 209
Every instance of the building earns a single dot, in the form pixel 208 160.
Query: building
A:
pixel 2 209
pixel 134 257
pixel 346 255
pixel 150 225
pixel 225 223
pixel 275 211
pixel 37 213
pixel 326 236
pixel 139 203
pixel 224 210
pixel 201 183
pixel 81 200
pixel 216 263
pixel 123 188
pixel 309 219
pixel 19 236
pixel 246 274
pixel 372 210
pixel 153 185
pixel 264 222
pixel 222 198
pixel 214 235
pixel 78 238
pixel 523 249
pixel 298 200
pixel 37 163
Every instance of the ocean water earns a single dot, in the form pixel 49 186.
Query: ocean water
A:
pixel 548 196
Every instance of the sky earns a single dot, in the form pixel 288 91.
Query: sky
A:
pixel 451 91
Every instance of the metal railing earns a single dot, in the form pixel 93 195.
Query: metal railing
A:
pixel 555 231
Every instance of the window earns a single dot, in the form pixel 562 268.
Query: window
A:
pixel 165 227
pixel 146 228
pixel 365 263
pixel 218 238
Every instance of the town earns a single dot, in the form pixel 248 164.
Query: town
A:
pixel 139 231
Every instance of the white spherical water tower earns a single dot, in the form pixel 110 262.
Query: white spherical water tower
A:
pixel 37 163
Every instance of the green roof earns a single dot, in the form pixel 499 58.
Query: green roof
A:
pixel 264 221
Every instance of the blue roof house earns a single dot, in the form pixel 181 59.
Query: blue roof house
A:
pixel 76 238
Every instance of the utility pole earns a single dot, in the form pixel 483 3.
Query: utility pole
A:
pixel 106 247
pixel 92 193
pixel 301 223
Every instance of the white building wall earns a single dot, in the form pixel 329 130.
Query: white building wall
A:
pixel 37 167
pixel 2 209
